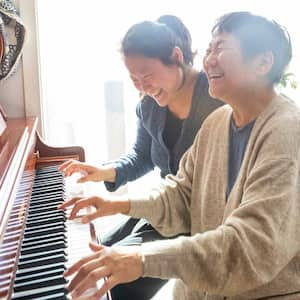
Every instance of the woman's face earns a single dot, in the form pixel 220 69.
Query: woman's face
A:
pixel 150 76
pixel 229 75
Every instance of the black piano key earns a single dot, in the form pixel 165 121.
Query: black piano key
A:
pixel 56 218
pixel 40 283
pixel 37 269
pixel 52 194
pixel 40 274
pixel 47 169
pixel 38 243
pixel 47 201
pixel 43 190
pixel 48 189
pixel 37 210
pixel 41 255
pixel 48 182
pixel 41 294
pixel 52 204
pixel 28 240
pixel 42 261
pixel 45 231
pixel 34 227
pixel 45 215
pixel 43 248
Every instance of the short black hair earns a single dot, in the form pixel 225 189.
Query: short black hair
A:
pixel 257 35
pixel 158 39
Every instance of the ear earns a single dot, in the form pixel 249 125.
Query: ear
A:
pixel 177 56
pixel 265 63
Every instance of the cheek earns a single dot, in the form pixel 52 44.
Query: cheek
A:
pixel 204 63
pixel 138 86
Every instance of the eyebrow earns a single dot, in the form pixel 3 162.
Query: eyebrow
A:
pixel 217 43
pixel 134 77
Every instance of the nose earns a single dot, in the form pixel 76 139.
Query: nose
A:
pixel 209 59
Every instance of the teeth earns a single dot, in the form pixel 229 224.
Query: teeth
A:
pixel 215 76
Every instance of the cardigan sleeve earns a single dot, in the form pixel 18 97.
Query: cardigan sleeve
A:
pixel 137 162
pixel 256 242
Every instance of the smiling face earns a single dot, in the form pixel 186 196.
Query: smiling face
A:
pixel 229 75
pixel 152 77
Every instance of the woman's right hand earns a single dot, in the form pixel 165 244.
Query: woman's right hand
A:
pixel 88 172
pixel 103 207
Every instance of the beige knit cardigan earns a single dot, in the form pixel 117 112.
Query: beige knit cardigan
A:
pixel 245 247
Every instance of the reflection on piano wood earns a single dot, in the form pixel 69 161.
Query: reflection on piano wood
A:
pixel 36 240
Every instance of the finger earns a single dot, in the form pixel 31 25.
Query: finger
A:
pixel 83 178
pixel 107 285
pixel 69 203
pixel 65 165
pixel 83 203
pixel 90 217
pixel 70 169
pixel 89 280
pixel 74 268
pixel 96 247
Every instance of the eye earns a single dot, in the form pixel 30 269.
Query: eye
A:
pixel 207 52
pixel 147 77
pixel 134 80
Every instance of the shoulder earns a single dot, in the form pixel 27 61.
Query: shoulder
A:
pixel 278 128
pixel 148 111
pixel 218 117
pixel 282 115
pixel 146 106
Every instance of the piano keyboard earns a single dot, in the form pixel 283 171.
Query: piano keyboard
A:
pixel 50 244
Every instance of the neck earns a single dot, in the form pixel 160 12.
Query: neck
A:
pixel 249 108
pixel 182 98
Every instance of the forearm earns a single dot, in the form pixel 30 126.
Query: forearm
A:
pixel 120 205
pixel 166 208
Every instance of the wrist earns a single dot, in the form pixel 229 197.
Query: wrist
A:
pixel 121 206
pixel 109 173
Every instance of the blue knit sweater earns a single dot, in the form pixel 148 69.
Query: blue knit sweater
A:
pixel 149 149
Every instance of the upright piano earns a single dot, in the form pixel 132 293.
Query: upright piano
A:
pixel 36 239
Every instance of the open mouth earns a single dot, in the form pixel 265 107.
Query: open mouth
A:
pixel 215 76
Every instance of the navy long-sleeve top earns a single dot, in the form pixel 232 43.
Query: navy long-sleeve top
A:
pixel 149 149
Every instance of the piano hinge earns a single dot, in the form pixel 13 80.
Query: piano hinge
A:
pixel 37 154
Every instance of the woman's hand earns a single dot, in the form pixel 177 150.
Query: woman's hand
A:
pixel 104 207
pixel 88 172
pixel 114 264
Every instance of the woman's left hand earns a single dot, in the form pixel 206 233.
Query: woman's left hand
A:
pixel 115 264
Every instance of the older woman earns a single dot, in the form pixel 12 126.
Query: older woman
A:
pixel 238 193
